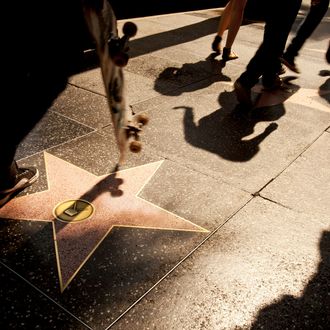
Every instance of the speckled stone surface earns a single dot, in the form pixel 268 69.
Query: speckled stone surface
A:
pixel 123 268
pixel 240 150
pixel 52 130
pixel 267 268
pixel 231 231
pixel 84 107
pixel 23 307
pixel 305 185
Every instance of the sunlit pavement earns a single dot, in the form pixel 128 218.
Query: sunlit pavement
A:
pixel 221 222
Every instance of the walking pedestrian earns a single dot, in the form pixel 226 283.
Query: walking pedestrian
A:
pixel 266 61
pixel 231 19
pixel 313 18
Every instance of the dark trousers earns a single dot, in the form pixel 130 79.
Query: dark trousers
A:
pixel 279 17
pixel 33 93
pixel 41 53
pixel 307 27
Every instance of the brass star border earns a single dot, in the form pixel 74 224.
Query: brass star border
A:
pixel 115 203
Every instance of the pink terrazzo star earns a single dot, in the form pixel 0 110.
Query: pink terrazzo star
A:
pixel 116 203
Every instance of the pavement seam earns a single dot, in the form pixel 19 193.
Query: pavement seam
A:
pixel 87 89
pixel 45 295
pixel 279 204
pixel 208 175
pixel 178 264
pixel 257 193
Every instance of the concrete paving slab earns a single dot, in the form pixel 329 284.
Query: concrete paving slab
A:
pixel 202 127
pixel 157 245
pixel 156 35
pixel 305 185
pixel 267 267
pixel 22 306
pixel 193 195
pixel 90 80
pixel 178 21
pixel 98 153
pixel 83 106
pixel 166 75
pixel 53 129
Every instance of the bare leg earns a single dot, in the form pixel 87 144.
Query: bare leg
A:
pixel 225 18
pixel 236 18
pixel 223 25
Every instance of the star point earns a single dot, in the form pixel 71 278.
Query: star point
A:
pixel 115 202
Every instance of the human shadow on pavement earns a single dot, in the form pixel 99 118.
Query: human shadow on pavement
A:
pixel 174 81
pixel 139 46
pixel 309 311
pixel 229 132
pixel 225 132
pixel 324 89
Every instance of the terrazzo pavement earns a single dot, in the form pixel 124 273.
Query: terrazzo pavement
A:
pixel 221 222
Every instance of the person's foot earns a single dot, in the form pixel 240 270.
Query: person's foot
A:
pixel 243 94
pixel 228 54
pixel 24 178
pixel 272 83
pixel 281 70
pixel 289 63
pixel 216 44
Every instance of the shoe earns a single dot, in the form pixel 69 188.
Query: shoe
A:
pixel 273 83
pixel 243 94
pixel 228 55
pixel 281 70
pixel 24 178
pixel 216 44
pixel 289 63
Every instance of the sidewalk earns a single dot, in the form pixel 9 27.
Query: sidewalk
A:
pixel 221 222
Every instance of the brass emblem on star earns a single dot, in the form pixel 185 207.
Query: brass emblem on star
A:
pixel 73 210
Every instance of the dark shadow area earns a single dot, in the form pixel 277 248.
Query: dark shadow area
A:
pixel 24 307
pixel 324 90
pixel 324 73
pixel 176 77
pixel 109 184
pixel 29 245
pixel 225 132
pixel 309 311
pixel 144 45
pixel 157 41
pixel 127 263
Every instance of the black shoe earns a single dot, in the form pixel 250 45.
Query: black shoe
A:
pixel 289 63
pixel 273 83
pixel 216 44
pixel 281 70
pixel 24 178
pixel 228 55
pixel 243 94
